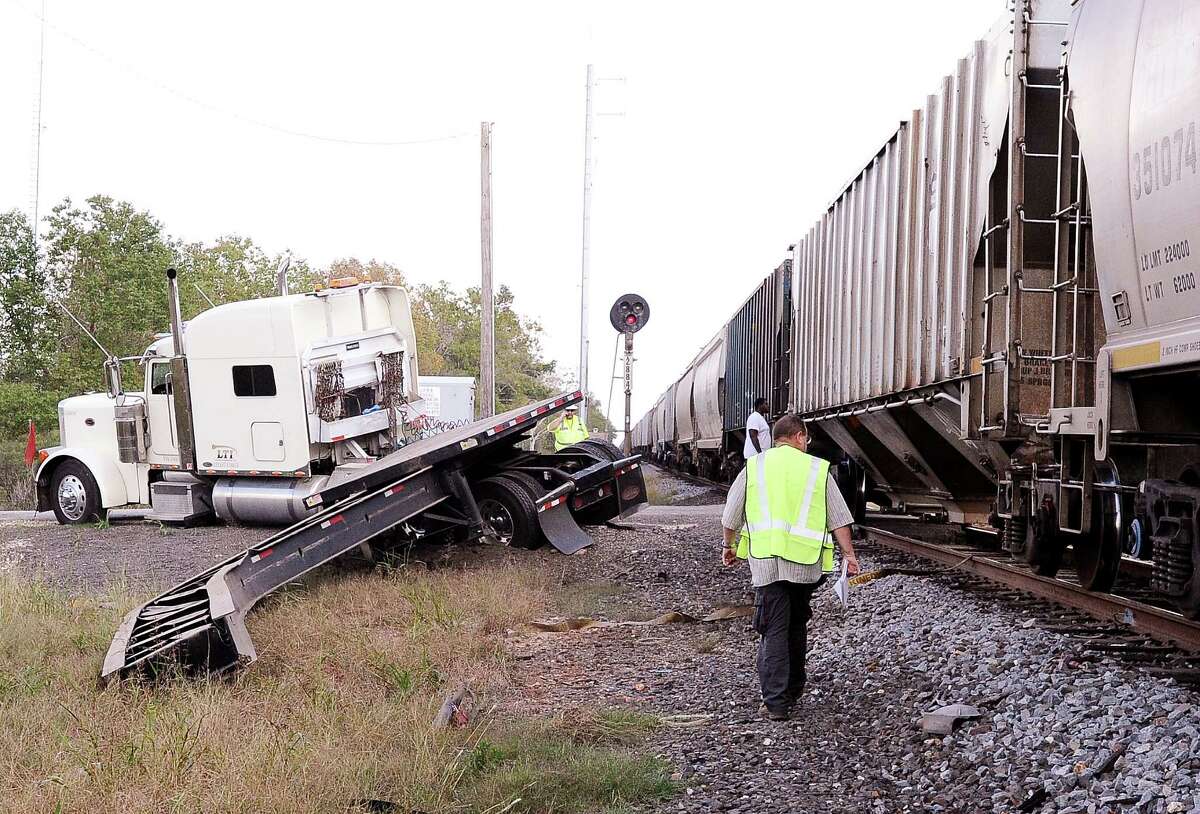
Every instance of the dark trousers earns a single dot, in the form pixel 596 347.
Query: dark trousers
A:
pixel 781 614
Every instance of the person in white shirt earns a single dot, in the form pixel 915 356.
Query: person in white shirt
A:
pixel 758 432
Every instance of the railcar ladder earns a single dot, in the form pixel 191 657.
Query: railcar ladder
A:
pixel 1073 285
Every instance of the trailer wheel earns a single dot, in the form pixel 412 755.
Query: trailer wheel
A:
pixel 74 495
pixel 508 508
pixel 600 448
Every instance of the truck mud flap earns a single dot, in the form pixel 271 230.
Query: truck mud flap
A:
pixel 557 523
pixel 631 485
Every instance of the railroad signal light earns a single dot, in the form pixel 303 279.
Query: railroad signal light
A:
pixel 629 314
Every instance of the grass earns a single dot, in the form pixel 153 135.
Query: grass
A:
pixel 335 713
pixel 16 479
pixel 657 494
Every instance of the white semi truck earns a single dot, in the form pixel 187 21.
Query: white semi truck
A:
pixel 304 410
pixel 243 411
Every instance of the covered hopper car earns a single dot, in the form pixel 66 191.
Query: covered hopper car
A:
pixel 998 319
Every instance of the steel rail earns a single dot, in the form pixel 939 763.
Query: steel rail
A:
pixel 1157 623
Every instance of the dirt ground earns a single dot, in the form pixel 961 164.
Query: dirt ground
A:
pixel 136 555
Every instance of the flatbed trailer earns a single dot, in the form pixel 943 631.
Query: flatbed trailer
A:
pixel 470 483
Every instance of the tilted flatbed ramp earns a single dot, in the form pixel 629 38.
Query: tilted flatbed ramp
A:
pixel 200 623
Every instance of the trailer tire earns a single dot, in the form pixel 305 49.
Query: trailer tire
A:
pixel 600 448
pixel 508 507
pixel 74 494
pixel 535 489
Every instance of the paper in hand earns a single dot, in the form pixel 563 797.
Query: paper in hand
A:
pixel 842 586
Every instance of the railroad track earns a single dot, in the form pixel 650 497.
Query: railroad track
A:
pixel 1158 640
pixel 724 487
pixel 1154 638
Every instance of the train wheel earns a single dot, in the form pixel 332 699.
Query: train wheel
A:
pixel 1043 542
pixel 1098 558
pixel 852 482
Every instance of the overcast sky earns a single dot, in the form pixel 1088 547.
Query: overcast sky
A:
pixel 738 124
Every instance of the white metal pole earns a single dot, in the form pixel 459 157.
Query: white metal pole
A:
pixel 628 444
pixel 37 136
pixel 587 249
pixel 487 333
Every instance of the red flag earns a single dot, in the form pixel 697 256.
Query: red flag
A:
pixel 31 445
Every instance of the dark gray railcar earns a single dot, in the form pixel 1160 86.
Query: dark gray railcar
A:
pixel 758 358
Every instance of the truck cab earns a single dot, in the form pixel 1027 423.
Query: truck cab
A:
pixel 242 411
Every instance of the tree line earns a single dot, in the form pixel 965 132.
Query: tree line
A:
pixel 104 260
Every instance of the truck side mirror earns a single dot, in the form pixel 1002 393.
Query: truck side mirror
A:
pixel 112 376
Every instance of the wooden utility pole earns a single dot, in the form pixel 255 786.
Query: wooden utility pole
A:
pixel 487 333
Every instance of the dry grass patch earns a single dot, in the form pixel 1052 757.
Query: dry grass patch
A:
pixel 657 494
pixel 16 479
pixel 337 709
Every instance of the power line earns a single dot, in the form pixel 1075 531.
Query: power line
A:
pixel 234 114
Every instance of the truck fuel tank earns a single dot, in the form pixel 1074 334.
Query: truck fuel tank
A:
pixel 264 501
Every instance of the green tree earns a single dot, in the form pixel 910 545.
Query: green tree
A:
pixel 27 343
pixel 372 271
pixel 106 261
pixel 232 269
pixel 448 328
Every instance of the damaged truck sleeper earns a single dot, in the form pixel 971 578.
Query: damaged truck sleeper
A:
pixel 470 483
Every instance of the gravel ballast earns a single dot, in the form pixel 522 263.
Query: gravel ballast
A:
pixel 1055 733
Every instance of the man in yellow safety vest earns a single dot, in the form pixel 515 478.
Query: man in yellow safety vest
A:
pixel 570 430
pixel 781 511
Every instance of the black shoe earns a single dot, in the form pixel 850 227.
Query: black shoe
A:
pixel 777 713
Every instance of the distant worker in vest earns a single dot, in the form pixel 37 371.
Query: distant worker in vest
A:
pixel 570 429
pixel 780 514
pixel 758 431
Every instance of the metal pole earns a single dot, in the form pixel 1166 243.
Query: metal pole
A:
pixel 587 249
pixel 487 333
pixel 628 391
pixel 37 136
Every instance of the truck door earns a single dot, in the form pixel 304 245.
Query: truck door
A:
pixel 266 438
pixel 164 447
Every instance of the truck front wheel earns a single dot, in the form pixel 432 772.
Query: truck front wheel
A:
pixel 75 497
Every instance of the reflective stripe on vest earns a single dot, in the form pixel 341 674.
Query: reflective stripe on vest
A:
pixel 785 476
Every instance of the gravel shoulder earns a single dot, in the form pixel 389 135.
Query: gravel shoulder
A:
pixel 129 554
pixel 1079 736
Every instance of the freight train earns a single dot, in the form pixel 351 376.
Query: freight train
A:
pixel 998 320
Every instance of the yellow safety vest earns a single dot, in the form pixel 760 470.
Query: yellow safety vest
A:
pixel 571 431
pixel 785 508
